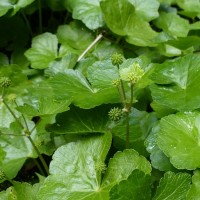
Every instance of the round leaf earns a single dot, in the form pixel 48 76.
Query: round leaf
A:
pixel 179 139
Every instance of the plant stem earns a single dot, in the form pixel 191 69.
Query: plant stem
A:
pixel 27 24
pixel 39 167
pixel 35 126
pixel 90 46
pixel 127 130
pixel 27 134
pixel 128 109
pixel 122 93
pixel 131 100
pixel 39 155
pixel 13 114
pixel 23 117
pixel 40 15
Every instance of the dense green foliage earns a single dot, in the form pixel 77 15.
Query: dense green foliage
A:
pixel 99 99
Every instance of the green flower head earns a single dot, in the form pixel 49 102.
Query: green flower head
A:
pixel 5 82
pixel 132 73
pixel 11 97
pixel 115 114
pixel 117 59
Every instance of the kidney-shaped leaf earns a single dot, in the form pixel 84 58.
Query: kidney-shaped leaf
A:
pixel 177 83
pixel 173 186
pixel 179 139
pixel 122 19
pixel 72 84
pixel 45 106
pixel 77 168
pixel 43 51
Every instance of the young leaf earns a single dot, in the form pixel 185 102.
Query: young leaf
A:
pixel 43 51
pixel 173 186
pixel 179 139
pixel 101 74
pixel 74 36
pixel 88 11
pixel 136 187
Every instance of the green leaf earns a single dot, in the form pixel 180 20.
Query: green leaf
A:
pixel 194 191
pixel 9 194
pixel 18 147
pixel 128 160
pixel 179 139
pixel 161 110
pixel 4 7
pixel 22 191
pixel 88 11
pixel 158 159
pixel 74 36
pixel 177 79
pixel 26 191
pixel 7 5
pixel 147 10
pixel 43 51
pixel 76 170
pixel 73 85
pixel 19 58
pixel 81 169
pixel 173 186
pixel 173 24
pixel 191 8
pixel 60 66
pixel 136 187
pixel 105 49
pixel 140 123
pixel 81 121
pixel 101 74
pixel 5 116
pixel 45 106
pixel 122 20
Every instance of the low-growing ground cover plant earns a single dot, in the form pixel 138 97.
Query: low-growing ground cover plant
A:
pixel 99 99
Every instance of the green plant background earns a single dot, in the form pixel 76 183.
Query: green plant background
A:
pixel 64 93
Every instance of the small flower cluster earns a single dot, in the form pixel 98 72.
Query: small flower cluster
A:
pixel 5 82
pixel 132 73
pixel 2 175
pixel 116 82
pixel 115 114
pixel 117 59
